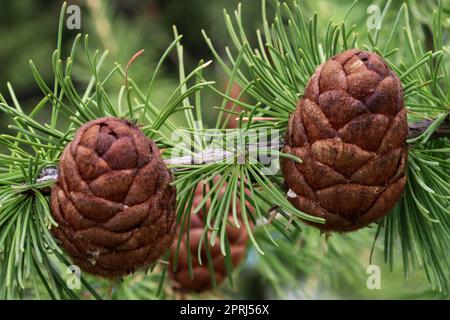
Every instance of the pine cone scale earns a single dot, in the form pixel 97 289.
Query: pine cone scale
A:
pixel 346 158
pixel 396 134
pixel 316 124
pixel 90 166
pixel 118 183
pixel 385 201
pixel 348 199
pixel 68 167
pixel 340 108
pixel 358 129
pixel 94 208
pixel 317 174
pixel 121 155
pixel 350 131
pixel 127 218
pixel 385 167
pixel 384 99
pixel 332 77
pixel 361 84
pixel 71 214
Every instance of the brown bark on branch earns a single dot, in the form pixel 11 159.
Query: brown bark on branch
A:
pixel 419 127
pixel 216 155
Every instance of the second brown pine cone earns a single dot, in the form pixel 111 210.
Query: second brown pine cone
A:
pixel 350 131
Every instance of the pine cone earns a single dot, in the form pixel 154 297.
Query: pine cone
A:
pixel 113 201
pixel 350 130
pixel 201 280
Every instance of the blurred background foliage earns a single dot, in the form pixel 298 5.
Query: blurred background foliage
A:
pixel 28 31
pixel 313 270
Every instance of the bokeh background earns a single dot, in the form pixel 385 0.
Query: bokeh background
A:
pixel 28 30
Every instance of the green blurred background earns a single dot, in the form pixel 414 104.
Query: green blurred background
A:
pixel 28 30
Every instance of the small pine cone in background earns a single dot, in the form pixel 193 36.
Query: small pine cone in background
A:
pixel 113 201
pixel 201 280
pixel 350 131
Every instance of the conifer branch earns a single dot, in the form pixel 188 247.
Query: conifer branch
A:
pixel 420 127
pixel 273 75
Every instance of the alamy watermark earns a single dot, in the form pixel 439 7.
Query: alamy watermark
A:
pixel 374 19
pixel 73 280
pixel 374 279
pixel 73 21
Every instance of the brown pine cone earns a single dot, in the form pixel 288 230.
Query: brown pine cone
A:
pixel 350 131
pixel 201 280
pixel 113 200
